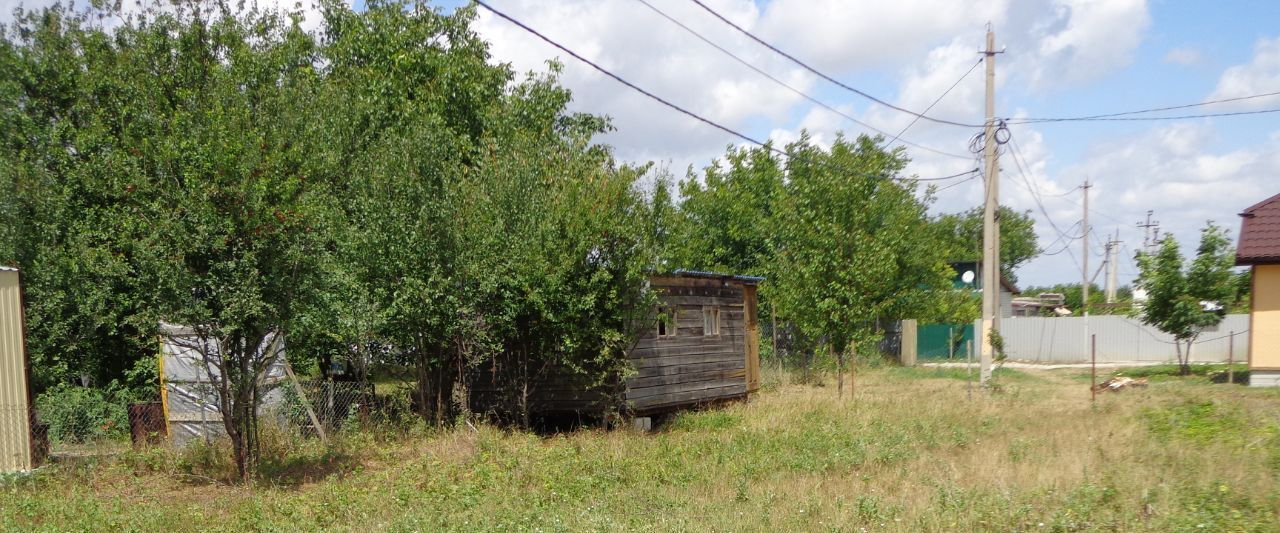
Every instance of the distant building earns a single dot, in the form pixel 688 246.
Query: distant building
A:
pixel 1045 304
pixel 1259 248
pixel 968 275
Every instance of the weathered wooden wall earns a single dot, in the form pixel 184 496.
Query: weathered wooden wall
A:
pixel 670 372
pixel 691 368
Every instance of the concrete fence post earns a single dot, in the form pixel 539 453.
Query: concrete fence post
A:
pixel 907 345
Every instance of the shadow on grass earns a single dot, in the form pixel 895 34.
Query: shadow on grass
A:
pixel 1200 373
pixel 962 374
pixel 295 471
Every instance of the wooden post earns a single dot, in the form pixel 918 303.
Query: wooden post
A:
pixel 968 368
pixel 839 372
pixel 306 404
pixel 951 342
pixel 1093 367
pixel 1231 358
pixel 853 369
pixel 773 313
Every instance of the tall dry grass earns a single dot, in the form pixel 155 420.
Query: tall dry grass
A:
pixel 908 450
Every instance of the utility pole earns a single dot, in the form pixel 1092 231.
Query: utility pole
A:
pixel 990 226
pixel 1113 266
pixel 1148 239
pixel 1084 246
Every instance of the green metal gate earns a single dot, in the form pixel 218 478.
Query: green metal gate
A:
pixel 943 341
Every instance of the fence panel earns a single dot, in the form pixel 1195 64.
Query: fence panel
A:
pixel 1120 339
pixel 932 341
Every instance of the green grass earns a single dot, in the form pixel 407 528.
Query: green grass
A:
pixel 955 373
pixel 907 452
pixel 1200 373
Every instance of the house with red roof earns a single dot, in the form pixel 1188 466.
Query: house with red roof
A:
pixel 1259 248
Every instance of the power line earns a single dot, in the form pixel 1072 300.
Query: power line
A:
pixel 1035 195
pixel 1139 119
pixel 1151 110
pixel 691 114
pixel 792 88
pixel 935 102
pixel 1017 160
pixel 826 77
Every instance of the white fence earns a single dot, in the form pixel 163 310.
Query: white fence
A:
pixel 1120 339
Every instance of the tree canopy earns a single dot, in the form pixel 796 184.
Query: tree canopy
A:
pixel 1182 298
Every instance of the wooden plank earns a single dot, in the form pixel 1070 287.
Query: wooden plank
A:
pixel 691 397
pixel 753 339
pixel 637 385
pixel 675 281
pixel 682 300
pixel 728 364
pixel 685 359
pixel 669 351
pixel 677 388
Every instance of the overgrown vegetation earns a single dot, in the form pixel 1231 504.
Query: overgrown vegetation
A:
pixel 386 195
pixel 908 452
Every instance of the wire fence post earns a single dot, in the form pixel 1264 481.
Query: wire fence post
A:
pixel 1231 358
pixel 1093 367
pixel 968 368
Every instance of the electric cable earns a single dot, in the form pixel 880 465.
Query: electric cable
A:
pixel 824 76
pixel 793 89
pixel 1022 120
pixel 689 113
pixel 1140 119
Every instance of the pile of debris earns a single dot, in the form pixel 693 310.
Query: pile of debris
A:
pixel 1119 383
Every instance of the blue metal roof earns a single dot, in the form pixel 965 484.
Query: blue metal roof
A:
pixel 716 275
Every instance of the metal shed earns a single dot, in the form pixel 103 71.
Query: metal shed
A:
pixel 16 444
pixel 187 394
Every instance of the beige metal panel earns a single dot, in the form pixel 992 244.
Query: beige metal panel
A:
pixel 1264 329
pixel 15 408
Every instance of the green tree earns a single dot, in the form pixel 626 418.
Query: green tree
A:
pixel 725 221
pixel 1182 299
pixel 960 234
pixel 853 244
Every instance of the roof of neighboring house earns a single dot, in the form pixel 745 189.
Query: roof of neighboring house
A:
pixel 1260 233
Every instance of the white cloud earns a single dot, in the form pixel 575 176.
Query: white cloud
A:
pixel 1184 55
pixel 1259 75
pixel 1166 169
pixel 1083 40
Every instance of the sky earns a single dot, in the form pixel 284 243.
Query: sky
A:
pixel 1062 58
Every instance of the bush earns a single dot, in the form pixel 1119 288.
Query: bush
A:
pixel 80 414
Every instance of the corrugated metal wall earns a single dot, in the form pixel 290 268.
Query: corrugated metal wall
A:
pixel 1120 339
pixel 15 411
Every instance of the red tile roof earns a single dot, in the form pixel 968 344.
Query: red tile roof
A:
pixel 1260 233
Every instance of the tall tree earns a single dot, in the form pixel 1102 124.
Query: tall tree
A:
pixel 1182 299
pixel 854 244
pixel 725 218
pixel 960 234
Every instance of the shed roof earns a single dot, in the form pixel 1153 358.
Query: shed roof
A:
pixel 716 275
pixel 7 269
pixel 1260 233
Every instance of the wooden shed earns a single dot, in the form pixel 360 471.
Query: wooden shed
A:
pixel 701 347
pixel 704 346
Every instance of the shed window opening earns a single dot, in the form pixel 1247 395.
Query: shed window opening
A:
pixel 667 322
pixel 710 320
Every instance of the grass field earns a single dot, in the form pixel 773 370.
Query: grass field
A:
pixel 907 452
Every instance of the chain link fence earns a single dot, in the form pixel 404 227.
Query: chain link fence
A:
pixel 81 422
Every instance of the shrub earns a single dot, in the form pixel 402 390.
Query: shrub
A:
pixel 81 414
